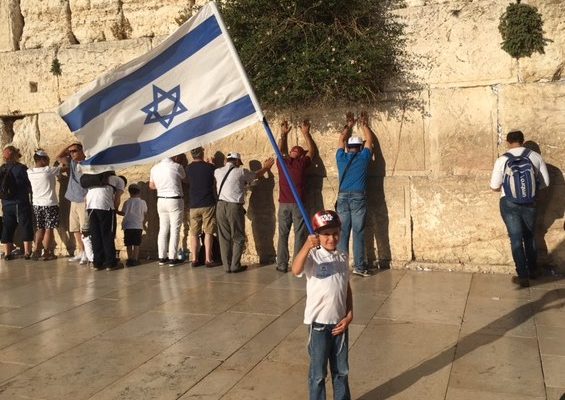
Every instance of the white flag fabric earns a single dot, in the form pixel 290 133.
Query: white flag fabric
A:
pixel 188 91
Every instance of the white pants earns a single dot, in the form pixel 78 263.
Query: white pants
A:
pixel 171 212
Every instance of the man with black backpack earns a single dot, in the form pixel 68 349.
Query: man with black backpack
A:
pixel 15 190
pixel 519 174
pixel 353 157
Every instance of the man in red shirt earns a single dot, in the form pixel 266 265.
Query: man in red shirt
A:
pixel 289 214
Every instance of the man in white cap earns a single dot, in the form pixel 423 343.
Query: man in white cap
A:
pixel 230 214
pixel 353 157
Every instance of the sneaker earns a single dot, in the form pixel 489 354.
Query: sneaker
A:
pixel 50 257
pixel 9 257
pixel 363 272
pixel 240 269
pixel 282 268
pixel 163 261
pixel 523 282
pixel 83 260
pixel 175 262
pixel 76 258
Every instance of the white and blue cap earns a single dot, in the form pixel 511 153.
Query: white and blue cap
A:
pixel 355 141
pixel 234 156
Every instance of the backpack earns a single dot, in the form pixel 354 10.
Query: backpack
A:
pixel 88 181
pixel 7 183
pixel 520 179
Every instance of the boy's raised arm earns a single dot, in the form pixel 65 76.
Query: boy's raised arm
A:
pixel 300 259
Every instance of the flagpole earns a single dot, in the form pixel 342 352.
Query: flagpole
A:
pixel 286 173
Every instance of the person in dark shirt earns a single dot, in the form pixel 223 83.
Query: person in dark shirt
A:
pixel 202 206
pixel 17 208
pixel 297 161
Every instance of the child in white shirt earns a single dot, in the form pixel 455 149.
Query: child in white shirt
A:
pixel 329 305
pixel 134 211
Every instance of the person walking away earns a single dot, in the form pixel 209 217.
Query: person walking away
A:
pixel 230 214
pixel 166 178
pixel 133 211
pixel 518 174
pixel 329 306
pixel 45 204
pixel 202 206
pixel 353 157
pixel 15 190
pixel 297 161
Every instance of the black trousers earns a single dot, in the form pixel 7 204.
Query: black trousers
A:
pixel 102 232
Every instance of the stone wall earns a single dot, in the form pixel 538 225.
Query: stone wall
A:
pixel 430 205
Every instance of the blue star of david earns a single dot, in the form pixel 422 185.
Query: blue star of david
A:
pixel 152 109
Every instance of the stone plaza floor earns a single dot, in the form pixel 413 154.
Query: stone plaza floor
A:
pixel 149 332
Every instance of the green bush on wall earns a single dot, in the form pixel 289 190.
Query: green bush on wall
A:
pixel 308 52
pixel 521 28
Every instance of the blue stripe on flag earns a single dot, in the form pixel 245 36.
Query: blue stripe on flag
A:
pixel 113 94
pixel 188 130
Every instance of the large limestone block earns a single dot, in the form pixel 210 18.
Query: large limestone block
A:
pixel 550 65
pixel 462 130
pixel 457 43
pixel 92 20
pixel 457 220
pixel 539 111
pixel 11 25
pixel 82 64
pixel 152 17
pixel 27 86
pixel 26 138
pixel 54 134
pixel 47 23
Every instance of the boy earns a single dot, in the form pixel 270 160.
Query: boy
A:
pixel 329 305
pixel 134 211
pixel 45 204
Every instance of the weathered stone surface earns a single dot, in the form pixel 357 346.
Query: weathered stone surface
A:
pixel 26 138
pixel 457 43
pixel 538 110
pixel 462 130
pixel 456 220
pixel 11 25
pixel 152 17
pixel 54 134
pixel 92 20
pixel 47 23
pixel 6 132
pixel 82 64
pixel 27 86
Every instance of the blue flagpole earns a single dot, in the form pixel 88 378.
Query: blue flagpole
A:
pixel 288 177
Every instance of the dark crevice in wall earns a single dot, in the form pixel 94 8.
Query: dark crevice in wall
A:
pixel 69 18
pixel 17 24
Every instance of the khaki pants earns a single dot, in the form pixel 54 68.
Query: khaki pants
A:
pixel 230 218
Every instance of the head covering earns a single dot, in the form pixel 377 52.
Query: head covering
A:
pixel 233 156
pixel 354 141
pixel 325 219
pixel 41 153
pixel 197 152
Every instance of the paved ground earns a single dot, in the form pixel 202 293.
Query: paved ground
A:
pixel 67 332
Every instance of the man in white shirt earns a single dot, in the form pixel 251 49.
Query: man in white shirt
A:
pixel 166 177
pixel 518 208
pixel 230 214
pixel 101 205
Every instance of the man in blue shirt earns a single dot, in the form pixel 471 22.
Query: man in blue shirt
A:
pixel 352 158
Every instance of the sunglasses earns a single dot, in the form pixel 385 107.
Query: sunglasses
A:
pixel 74 151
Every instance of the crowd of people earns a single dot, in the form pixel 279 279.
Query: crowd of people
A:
pixel 216 198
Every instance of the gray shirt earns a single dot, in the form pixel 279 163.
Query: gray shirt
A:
pixel 75 192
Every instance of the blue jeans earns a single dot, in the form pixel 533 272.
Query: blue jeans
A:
pixel 520 222
pixel 324 347
pixel 352 208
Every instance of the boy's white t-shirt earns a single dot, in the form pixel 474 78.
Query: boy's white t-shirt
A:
pixel 134 213
pixel 327 276
pixel 42 181
pixel 102 198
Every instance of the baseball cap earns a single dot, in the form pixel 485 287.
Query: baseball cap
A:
pixel 355 141
pixel 325 219
pixel 233 155
pixel 41 153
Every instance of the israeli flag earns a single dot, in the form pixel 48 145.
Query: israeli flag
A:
pixel 188 91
